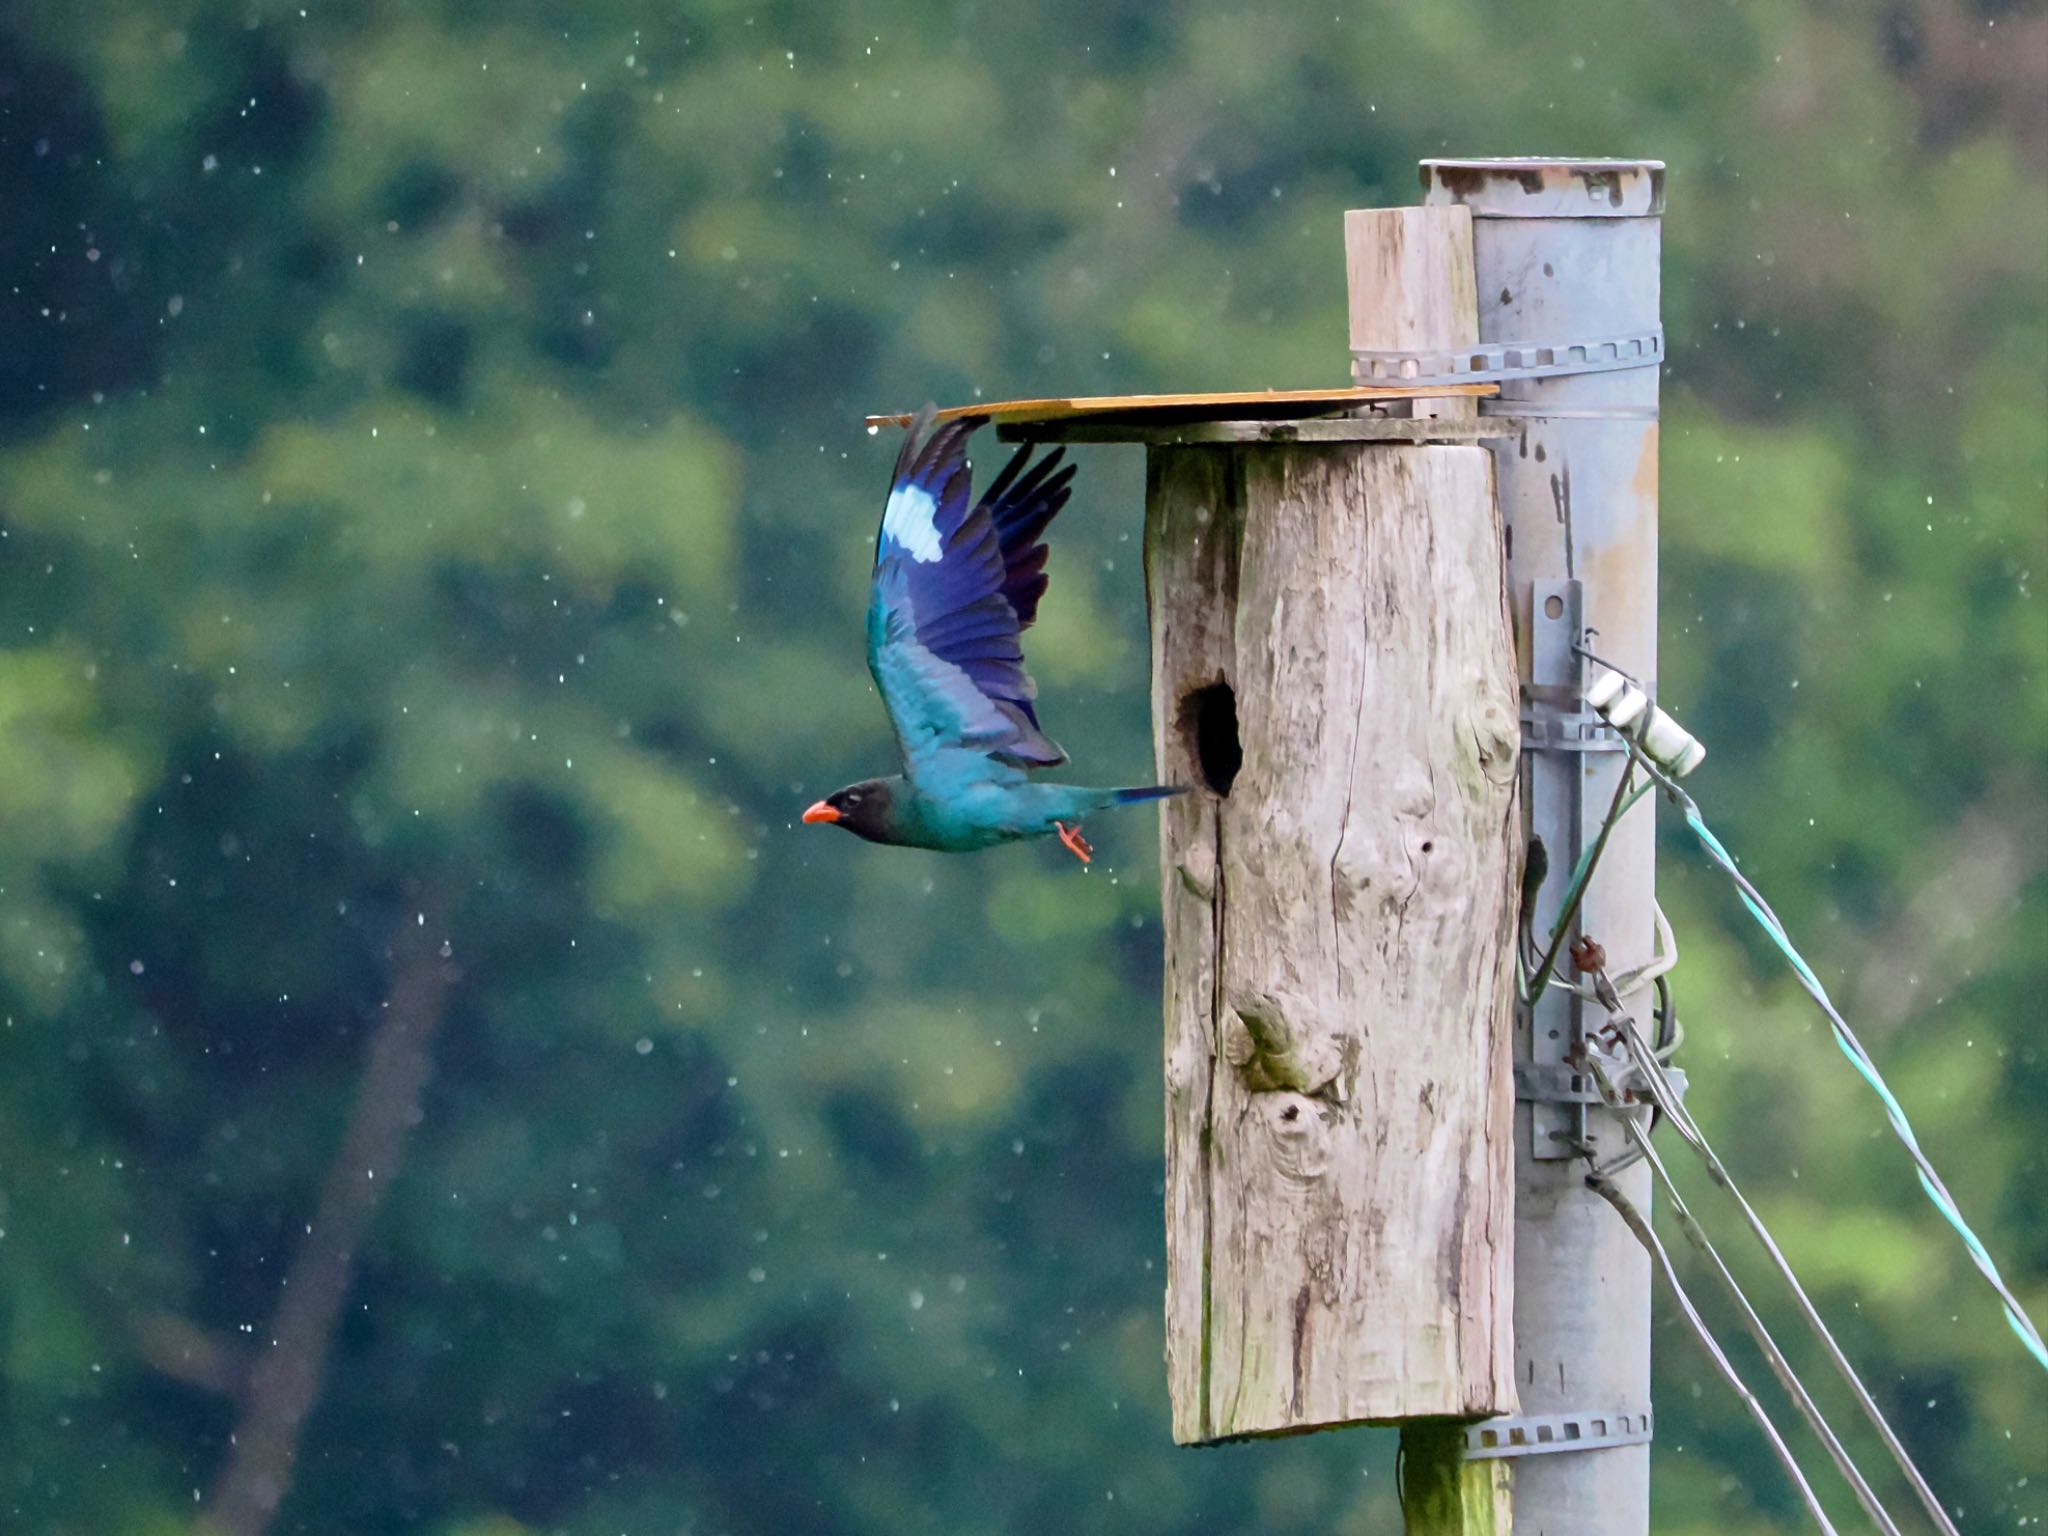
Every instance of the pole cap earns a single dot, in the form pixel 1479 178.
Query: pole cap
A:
pixel 1540 187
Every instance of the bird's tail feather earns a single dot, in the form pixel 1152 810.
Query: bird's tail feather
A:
pixel 1149 792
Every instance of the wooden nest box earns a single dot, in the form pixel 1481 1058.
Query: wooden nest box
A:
pixel 1333 667
pixel 1332 660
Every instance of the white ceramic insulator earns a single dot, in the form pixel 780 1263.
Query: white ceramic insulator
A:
pixel 1671 746
pixel 1628 709
pixel 1625 711
pixel 1618 700
pixel 1605 689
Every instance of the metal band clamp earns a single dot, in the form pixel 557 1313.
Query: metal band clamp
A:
pixel 1540 1434
pixel 1500 361
pixel 1553 730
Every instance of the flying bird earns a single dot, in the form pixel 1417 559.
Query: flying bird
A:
pixel 956 582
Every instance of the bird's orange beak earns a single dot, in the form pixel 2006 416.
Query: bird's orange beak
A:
pixel 821 812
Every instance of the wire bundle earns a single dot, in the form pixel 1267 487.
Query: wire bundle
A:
pixel 1666 1106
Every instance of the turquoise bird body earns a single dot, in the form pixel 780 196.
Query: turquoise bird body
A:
pixel 956 582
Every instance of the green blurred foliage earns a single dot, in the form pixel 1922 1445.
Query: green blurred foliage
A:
pixel 431 493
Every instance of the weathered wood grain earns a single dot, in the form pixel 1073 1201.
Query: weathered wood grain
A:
pixel 1409 275
pixel 1194 522
pixel 1339 935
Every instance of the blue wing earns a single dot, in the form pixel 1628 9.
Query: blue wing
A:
pixel 955 583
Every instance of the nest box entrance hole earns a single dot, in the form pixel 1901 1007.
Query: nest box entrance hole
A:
pixel 1208 723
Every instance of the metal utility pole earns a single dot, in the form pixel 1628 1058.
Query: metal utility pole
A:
pixel 1566 255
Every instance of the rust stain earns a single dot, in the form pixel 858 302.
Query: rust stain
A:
pixel 1629 604
pixel 1643 483
pixel 1608 182
pixel 1458 180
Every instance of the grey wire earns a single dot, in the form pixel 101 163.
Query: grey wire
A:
pixel 1592 655
pixel 1788 1378
pixel 1648 1238
pixel 1681 1120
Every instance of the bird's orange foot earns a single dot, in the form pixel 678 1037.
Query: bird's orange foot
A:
pixel 1075 843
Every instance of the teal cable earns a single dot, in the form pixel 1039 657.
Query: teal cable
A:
pixel 2015 1315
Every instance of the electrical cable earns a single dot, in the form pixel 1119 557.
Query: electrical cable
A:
pixel 1660 965
pixel 1845 1038
pixel 1581 874
pixel 1670 1029
pixel 1608 1191
pixel 1674 1111
pixel 1666 1104
pixel 1788 1378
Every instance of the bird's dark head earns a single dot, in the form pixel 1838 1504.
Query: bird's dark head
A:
pixel 864 809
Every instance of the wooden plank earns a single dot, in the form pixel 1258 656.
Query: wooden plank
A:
pixel 1348 982
pixel 1409 275
pixel 1306 402
pixel 1442 1494
pixel 1194 513
pixel 1328 429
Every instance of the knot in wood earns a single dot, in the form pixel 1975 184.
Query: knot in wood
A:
pixel 1497 736
pixel 1271 1056
pixel 1299 1132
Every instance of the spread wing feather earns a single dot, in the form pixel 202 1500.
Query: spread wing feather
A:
pixel 954 585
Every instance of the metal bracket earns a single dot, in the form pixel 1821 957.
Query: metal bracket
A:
pixel 1567 1085
pixel 1554 1085
pixel 1541 1434
pixel 1501 360
pixel 1554 713
pixel 1556 1026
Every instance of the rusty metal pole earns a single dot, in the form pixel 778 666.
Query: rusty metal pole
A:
pixel 1567 255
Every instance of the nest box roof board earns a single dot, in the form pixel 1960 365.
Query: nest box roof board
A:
pixel 1258 415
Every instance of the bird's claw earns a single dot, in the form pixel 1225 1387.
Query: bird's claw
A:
pixel 1074 842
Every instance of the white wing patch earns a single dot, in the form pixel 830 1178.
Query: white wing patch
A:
pixel 908 518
